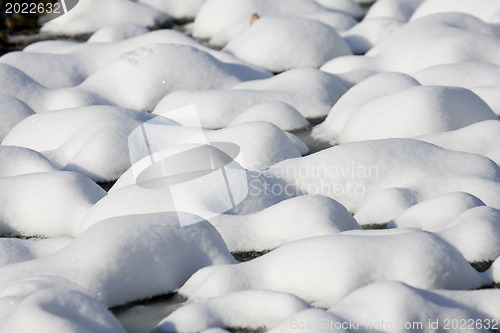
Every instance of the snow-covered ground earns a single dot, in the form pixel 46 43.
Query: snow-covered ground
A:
pixel 267 165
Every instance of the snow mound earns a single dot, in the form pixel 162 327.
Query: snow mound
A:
pixel 178 9
pixel 38 210
pixel 11 113
pixel 347 262
pixel 121 260
pixel 309 91
pixel 354 173
pixel 253 309
pixel 386 205
pixel 61 310
pixel 293 43
pixel 491 95
pixel 66 64
pixel 395 105
pixel 415 111
pixel 437 213
pixel 283 115
pixel 90 15
pixel 481 138
pixel 312 320
pixel 220 20
pixel 140 78
pixel 127 198
pixel 90 140
pixel 486 10
pixel 392 306
pixel 16 161
pixel 367 90
pixel 465 74
pixel 117 32
pixel 14 250
pixel 475 233
pixel 363 36
pixel 17 84
pixel 396 9
pixel 397 307
pixel 432 40
pixel 290 220
pixel 54 71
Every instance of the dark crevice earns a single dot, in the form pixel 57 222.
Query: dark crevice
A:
pixel 248 255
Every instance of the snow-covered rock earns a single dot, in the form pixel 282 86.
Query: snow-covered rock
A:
pixel 254 309
pixel 355 173
pixel 363 36
pixel 347 262
pixel 399 107
pixel 11 113
pixel 438 39
pixel 90 15
pixel 46 203
pixel 415 111
pixel 140 78
pixel 310 91
pixel 475 233
pixel 278 113
pixel 464 74
pixel 126 198
pixel 481 138
pixel 367 90
pixel 391 306
pixel 19 160
pixel 178 9
pixel 287 221
pixel 14 250
pixel 90 140
pixel 120 260
pixel 61 310
pixel 21 86
pixel 395 9
pixel 437 213
pixel 220 20
pixel 486 10
pixel 118 32
pixel 293 43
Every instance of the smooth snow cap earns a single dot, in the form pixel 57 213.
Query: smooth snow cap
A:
pixel 293 43
pixel 90 15
pixel 90 140
pixel 347 262
pixel 61 310
pixel 251 309
pixel 296 218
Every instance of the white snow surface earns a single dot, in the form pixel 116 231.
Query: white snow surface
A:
pixel 310 91
pixel 283 223
pixel 16 161
pixel 91 15
pixel 356 174
pixel 352 260
pixel 253 309
pixel 46 204
pixel 220 20
pixel 90 140
pixel 60 310
pixel 384 120
pixel 392 105
pixel 294 43
pixel 118 261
